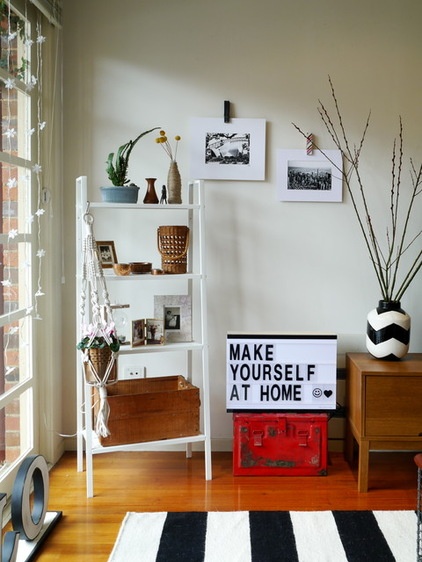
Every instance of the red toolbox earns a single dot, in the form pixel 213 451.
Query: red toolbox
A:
pixel 280 444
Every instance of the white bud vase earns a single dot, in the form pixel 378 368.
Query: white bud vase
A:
pixel 174 184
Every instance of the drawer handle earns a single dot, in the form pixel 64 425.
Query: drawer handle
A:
pixel 257 438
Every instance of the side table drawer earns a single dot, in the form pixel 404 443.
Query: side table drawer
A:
pixel 393 406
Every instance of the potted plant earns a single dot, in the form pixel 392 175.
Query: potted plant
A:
pixel 388 326
pixel 117 169
pixel 99 345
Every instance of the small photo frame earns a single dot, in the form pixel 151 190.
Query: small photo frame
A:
pixel 176 312
pixel 138 333
pixel 154 329
pixel 107 253
pixel 227 151
pixel 315 177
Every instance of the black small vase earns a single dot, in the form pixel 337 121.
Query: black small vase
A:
pixel 388 331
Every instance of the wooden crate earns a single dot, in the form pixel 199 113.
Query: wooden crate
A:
pixel 151 409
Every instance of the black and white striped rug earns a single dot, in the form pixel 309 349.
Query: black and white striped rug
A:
pixel 267 536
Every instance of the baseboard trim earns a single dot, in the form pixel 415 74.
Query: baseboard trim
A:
pixel 217 445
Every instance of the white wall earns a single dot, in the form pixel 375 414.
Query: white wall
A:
pixel 272 266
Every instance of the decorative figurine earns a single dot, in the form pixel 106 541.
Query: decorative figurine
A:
pixel 163 199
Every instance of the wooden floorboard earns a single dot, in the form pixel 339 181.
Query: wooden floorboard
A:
pixel 167 481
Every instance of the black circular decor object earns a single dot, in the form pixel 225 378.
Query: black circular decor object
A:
pixel 29 523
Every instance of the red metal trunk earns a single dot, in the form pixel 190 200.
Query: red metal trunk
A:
pixel 280 444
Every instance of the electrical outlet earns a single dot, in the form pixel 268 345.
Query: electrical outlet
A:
pixel 134 372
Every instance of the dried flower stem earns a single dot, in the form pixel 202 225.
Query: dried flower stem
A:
pixel 386 262
pixel 163 141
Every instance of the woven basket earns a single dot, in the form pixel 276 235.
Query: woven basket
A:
pixel 173 244
pixel 97 365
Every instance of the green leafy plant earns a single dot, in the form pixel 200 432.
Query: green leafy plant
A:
pixel 118 163
pixel 385 252
pixel 92 338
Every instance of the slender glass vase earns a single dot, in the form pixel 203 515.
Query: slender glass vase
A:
pixel 174 184
pixel 388 331
pixel 151 195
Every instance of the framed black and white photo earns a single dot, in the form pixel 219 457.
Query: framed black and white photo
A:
pixel 154 330
pixel 107 253
pixel 227 151
pixel 176 312
pixel 138 332
pixel 313 177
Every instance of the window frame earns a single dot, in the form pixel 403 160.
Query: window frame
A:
pixel 25 391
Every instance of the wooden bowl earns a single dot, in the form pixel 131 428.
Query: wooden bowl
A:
pixel 121 268
pixel 140 267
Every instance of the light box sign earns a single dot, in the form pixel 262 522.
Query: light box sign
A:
pixel 281 372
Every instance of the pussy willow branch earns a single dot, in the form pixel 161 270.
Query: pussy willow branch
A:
pixel 417 263
pixel 346 175
pixel 401 248
pixel 353 159
pixel 394 202
pixel 385 262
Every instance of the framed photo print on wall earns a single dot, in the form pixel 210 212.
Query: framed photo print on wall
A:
pixel 309 177
pixel 176 312
pixel 227 151
pixel 107 253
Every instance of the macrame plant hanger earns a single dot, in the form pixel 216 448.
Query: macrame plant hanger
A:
pixel 99 363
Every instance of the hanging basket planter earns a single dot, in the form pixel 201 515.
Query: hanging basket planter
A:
pixel 100 366
pixel 99 342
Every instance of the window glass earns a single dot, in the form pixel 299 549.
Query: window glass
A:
pixel 17 82
pixel 18 232
pixel 14 429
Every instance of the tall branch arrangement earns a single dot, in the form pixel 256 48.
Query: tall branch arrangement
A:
pixel 386 257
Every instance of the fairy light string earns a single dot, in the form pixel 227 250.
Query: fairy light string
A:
pixel 32 84
pixel 37 169
pixel 11 183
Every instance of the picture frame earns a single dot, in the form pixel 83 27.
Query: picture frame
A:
pixel 315 177
pixel 176 312
pixel 227 151
pixel 154 331
pixel 138 332
pixel 107 253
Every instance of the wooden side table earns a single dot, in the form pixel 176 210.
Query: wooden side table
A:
pixel 384 407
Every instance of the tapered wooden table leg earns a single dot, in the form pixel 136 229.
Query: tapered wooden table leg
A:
pixel 363 466
pixel 349 444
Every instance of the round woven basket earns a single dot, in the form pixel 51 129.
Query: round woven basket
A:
pixel 173 244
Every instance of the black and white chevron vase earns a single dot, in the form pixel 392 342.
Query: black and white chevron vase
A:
pixel 388 331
